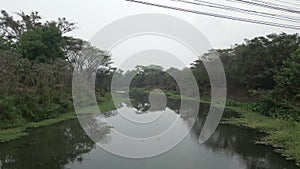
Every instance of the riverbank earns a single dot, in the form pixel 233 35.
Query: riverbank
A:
pixel 20 131
pixel 17 132
pixel 283 135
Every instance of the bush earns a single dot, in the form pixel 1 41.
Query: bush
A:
pixel 10 114
pixel 36 108
pixel 273 108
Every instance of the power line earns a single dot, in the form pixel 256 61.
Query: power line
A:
pixel 276 5
pixel 266 6
pixel 290 3
pixel 218 15
pixel 240 10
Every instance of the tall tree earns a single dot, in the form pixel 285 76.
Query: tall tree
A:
pixel 28 27
pixel 42 43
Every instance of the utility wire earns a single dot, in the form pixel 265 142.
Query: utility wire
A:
pixel 266 6
pixel 290 3
pixel 240 10
pixel 218 15
pixel 276 5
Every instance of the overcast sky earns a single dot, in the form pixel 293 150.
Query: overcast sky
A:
pixel 92 15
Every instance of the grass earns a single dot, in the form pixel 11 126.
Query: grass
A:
pixel 20 131
pixel 283 135
pixel 12 134
pixel 106 103
pixel 15 133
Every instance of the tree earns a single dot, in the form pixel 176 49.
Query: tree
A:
pixel 4 45
pixel 12 29
pixel 252 65
pixel 28 27
pixel 201 75
pixel 90 59
pixel 287 79
pixel 93 62
pixel 43 43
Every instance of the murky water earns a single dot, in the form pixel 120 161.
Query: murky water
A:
pixel 65 145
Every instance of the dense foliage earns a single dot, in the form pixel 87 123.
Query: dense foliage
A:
pixel 36 66
pixel 148 77
pixel 267 70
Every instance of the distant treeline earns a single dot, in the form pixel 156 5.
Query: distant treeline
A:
pixel 263 70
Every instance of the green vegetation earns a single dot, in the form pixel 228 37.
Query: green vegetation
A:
pixel 13 133
pixel 283 135
pixel 105 103
pixel 17 132
pixel 262 70
pixel 36 67
pixel 170 94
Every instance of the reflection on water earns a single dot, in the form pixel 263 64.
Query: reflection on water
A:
pixel 49 148
pixel 97 128
pixel 65 145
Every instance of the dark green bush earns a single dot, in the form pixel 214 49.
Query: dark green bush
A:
pixel 10 114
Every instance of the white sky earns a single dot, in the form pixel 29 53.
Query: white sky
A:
pixel 92 15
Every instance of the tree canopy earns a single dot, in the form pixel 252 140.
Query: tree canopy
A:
pixel 37 40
